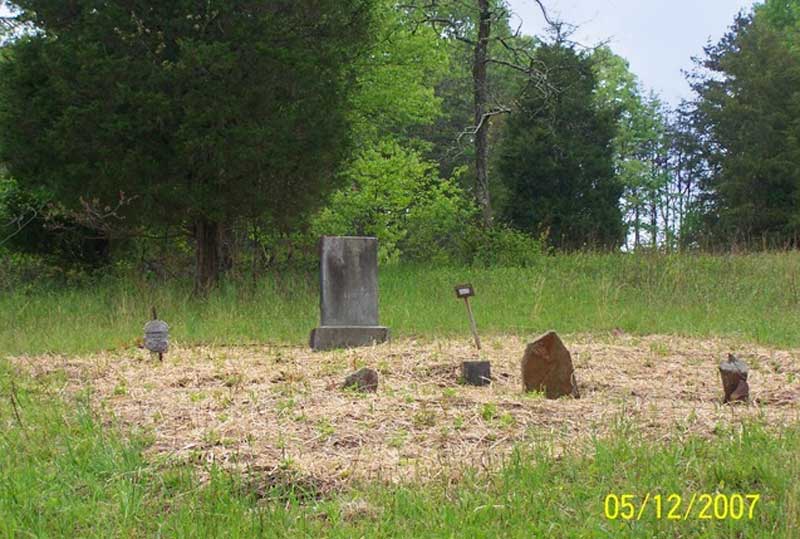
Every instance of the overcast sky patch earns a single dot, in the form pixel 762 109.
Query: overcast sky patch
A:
pixel 657 37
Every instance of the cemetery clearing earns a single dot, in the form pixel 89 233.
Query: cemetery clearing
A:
pixel 375 270
pixel 243 431
pixel 278 407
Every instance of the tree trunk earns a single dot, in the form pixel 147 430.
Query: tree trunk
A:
pixel 207 255
pixel 227 241
pixel 481 95
pixel 653 221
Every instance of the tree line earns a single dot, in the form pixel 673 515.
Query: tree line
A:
pixel 234 133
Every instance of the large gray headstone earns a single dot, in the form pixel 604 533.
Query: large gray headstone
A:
pixel 348 281
pixel 348 294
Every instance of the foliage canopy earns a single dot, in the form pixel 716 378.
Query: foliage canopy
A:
pixel 200 113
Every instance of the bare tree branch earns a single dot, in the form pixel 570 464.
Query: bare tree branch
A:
pixel 562 30
pixel 471 130
pixel 545 14
pixel 21 224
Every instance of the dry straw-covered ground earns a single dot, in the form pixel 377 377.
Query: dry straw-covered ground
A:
pixel 277 407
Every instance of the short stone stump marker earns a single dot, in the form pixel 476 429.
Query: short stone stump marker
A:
pixel 734 380
pixel 363 380
pixel 547 367
pixel 476 373
pixel 156 336
pixel 348 294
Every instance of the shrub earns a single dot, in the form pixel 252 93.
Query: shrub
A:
pixel 504 246
pixel 393 194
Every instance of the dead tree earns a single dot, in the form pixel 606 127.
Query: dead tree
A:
pixel 476 30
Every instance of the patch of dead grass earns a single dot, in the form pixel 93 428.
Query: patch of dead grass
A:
pixel 280 408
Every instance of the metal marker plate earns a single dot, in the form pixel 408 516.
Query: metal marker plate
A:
pixel 464 291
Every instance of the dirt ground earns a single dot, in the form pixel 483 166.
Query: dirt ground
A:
pixel 279 407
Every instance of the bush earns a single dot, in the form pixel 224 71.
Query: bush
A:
pixel 282 251
pixel 393 194
pixel 506 247
pixel 31 223
pixel 439 227
pixel 21 271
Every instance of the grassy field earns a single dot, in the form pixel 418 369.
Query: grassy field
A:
pixel 755 297
pixel 67 470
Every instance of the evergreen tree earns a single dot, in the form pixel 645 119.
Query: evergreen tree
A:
pixel 746 116
pixel 201 113
pixel 557 158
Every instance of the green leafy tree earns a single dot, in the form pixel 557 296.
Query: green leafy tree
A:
pixel 782 16
pixel 396 83
pixel 641 148
pixel 690 169
pixel 489 59
pixel 394 195
pixel 200 113
pixel 389 189
pixel 393 98
pixel 556 159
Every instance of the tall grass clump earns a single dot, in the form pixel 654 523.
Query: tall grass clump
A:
pixel 753 297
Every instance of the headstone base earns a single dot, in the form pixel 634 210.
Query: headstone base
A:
pixel 332 337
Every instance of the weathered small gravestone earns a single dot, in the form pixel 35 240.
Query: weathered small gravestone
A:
pixel 348 294
pixel 476 373
pixel 364 380
pixel 156 336
pixel 547 367
pixel 734 380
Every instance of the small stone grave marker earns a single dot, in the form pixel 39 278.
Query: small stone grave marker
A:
pixel 547 367
pixel 476 373
pixel 734 380
pixel 364 380
pixel 156 336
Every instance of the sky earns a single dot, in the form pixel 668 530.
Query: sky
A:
pixel 657 37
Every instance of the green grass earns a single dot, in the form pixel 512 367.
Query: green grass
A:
pixel 753 297
pixel 64 474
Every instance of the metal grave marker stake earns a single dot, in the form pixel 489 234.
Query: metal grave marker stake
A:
pixel 476 373
pixel 465 291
